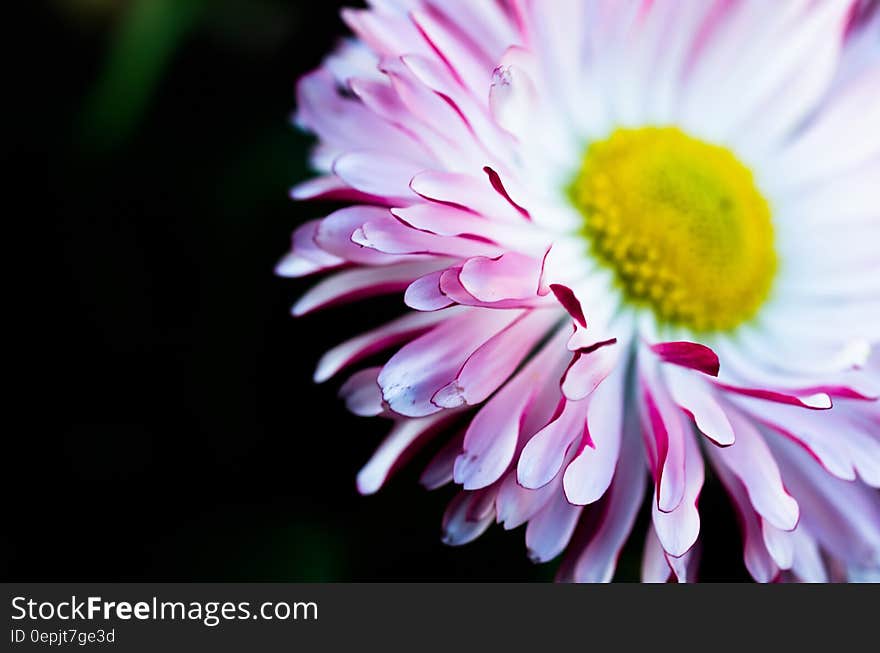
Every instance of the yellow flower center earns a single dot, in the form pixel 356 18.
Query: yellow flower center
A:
pixel 681 225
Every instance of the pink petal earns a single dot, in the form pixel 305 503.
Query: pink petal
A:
pixel 439 471
pixel 751 461
pixel 843 516
pixel 697 399
pixel 678 529
pixel 688 354
pixel 666 438
pixel 459 54
pixel 512 98
pixel 384 31
pixel 494 361
pixel 392 236
pixel 491 439
pixel 806 430
pixel 459 190
pixel 414 374
pixel 542 457
pixel 863 441
pixel 381 98
pixel 377 173
pixel 758 560
pixel 392 452
pixel 510 276
pixel 516 505
pixel 424 293
pixel 570 302
pixel 550 530
pixel 470 109
pixel 446 220
pixel 655 567
pixel 779 544
pixel 586 339
pixel 340 122
pixel 402 329
pixel 335 231
pixel 361 283
pixel 684 567
pixel 588 476
pixel 441 129
pixel 815 401
pixel 498 185
pixel 620 507
pixel 330 187
pixel 860 389
pixel 451 286
pixel 459 525
pixel 362 394
pixel 305 256
pixel 589 369
pixel 807 563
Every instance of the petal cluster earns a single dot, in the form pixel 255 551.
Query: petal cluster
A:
pixel 450 129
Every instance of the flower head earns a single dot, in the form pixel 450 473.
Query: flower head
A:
pixel 638 241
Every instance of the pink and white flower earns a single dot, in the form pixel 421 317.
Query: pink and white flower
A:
pixel 634 238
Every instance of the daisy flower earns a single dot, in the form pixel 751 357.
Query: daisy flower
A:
pixel 639 243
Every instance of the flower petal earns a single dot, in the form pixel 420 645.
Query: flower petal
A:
pixel 679 528
pixel 550 530
pixel 305 256
pixel 438 472
pixel 542 457
pixel 391 453
pixel 620 506
pixel 589 368
pixel 492 438
pixel 516 505
pixel 460 525
pixel 688 354
pixel 362 394
pixel 751 461
pixel 509 276
pixel 361 283
pixel 414 374
pixel 758 560
pixel 495 360
pixel 697 399
pixel 424 293
pixel 403 328
pixel 588 476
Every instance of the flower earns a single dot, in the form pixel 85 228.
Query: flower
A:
pixel 636 238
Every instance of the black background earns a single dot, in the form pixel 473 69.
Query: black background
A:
pixel 169 426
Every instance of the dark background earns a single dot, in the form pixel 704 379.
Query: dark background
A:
pixel 170 429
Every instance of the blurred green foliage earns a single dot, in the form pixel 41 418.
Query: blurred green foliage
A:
pixel 147 34
pixel 144 37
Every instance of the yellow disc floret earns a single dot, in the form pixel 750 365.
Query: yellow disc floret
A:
pixel 680 223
